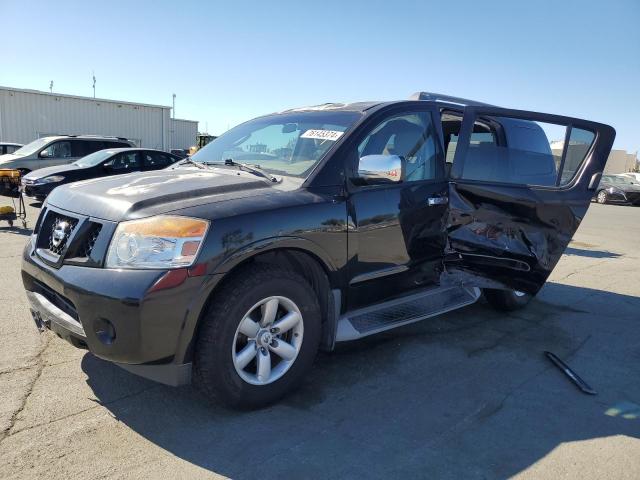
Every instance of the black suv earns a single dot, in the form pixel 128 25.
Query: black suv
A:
pixel 308 227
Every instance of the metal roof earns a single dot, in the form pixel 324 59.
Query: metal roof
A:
pixel 78 97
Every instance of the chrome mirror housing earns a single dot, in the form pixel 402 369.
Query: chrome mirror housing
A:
pixel 380 168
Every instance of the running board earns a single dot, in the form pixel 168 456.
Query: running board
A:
pixel 402 311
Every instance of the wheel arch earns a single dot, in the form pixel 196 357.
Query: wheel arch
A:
pixel 294 255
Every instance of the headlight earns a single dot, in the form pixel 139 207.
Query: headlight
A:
pixel 51 179
pixel 157 242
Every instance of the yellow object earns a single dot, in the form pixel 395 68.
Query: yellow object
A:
pixel 6 210
pixel 9 173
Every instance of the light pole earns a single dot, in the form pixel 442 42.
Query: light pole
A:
pixel 173 110
pixel 94 85
pixel 51 86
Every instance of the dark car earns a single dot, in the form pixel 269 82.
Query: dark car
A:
pixel 113 161
pixel 301 229
pixel 618 189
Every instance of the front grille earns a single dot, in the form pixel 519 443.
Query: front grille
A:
pixel 70 239
pixel 90 240
pixel 59 233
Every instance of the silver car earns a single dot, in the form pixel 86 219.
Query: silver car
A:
pixel 58 150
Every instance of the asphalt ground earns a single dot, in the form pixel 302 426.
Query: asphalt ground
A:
pixel 465 395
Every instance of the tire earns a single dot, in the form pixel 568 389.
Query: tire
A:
pixel 507 300
pixel 601 197
pixel 217 367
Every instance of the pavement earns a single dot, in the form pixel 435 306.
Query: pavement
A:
pixel 465 395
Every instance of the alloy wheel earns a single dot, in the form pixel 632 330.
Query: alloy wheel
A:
pixel 268 340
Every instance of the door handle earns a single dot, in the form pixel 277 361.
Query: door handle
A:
pixel 431 201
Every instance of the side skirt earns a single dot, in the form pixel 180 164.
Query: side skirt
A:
pixel 403 311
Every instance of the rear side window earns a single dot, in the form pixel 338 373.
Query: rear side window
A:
pixel 86 147
pixel 117 145
pixel 157 160
pixel 525 152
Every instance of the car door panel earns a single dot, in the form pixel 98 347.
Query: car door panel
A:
pixel 509 235
pixel 397 229
pixel 396 240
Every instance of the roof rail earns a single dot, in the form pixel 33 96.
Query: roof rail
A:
pixel 435 97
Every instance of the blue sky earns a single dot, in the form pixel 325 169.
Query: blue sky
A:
pixel 230 61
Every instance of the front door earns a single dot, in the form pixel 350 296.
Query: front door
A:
pixel 397 231
pixel 520 184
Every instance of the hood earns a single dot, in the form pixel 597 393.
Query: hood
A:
pixel 133 195
pixel 47 171
pixel 9 157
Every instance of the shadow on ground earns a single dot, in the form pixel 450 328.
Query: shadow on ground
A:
pixel 16 230
pixel 467 394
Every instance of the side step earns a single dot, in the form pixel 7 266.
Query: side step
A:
pixel 402 311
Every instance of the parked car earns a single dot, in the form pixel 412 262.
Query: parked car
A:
pixel 113 161
pixel 618 189
pixel 635 176
pixel 180 152
pixel 301 229
pixel 6 147
pixel 58 150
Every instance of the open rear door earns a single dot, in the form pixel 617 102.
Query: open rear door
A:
pixel 521 182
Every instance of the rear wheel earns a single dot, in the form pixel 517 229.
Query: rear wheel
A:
pixel 602 197
pixel 507 300
pixel 258 338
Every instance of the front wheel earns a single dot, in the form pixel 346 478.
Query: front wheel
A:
pixel 258 338
pixel 602 197
pixel 507 300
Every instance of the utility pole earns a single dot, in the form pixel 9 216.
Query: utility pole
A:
pixel 51 86
pixel 173 110
pixel 94 84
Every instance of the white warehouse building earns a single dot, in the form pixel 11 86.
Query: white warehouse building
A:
pixel 29 114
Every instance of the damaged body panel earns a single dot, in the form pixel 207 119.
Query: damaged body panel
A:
pixel 503 232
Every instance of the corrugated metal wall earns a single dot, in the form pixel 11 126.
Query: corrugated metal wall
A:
pixel 183 133
pixel 26 115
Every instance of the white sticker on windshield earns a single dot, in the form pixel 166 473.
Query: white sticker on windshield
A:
pixel 332 135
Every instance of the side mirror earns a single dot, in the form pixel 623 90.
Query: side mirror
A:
pixel 108 166
pixel 380 169
pixel 44 154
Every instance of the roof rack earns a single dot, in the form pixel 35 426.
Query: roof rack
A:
pixel 438 97
pixel 95 136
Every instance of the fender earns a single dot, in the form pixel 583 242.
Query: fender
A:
pixel 184 347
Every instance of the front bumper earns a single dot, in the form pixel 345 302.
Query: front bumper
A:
pixel 75 301
pixel 38 191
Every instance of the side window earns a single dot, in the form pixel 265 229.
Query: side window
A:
pixel 81 148
pixel 126 161
pixel 11 148
pixel 409 136
pixel 117 145
pixel 525 152
pixel 60 149
pixel 156 160
pixel 451 123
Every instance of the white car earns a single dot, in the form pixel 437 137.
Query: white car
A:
pixel 634 176
pixel 58 150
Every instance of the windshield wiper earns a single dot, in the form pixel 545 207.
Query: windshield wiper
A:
pixel 255 169
pixel 192 162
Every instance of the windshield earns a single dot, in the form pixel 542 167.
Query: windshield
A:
pixel 287 144
pixel 32 147
pixel 618 180
pixel 93 159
